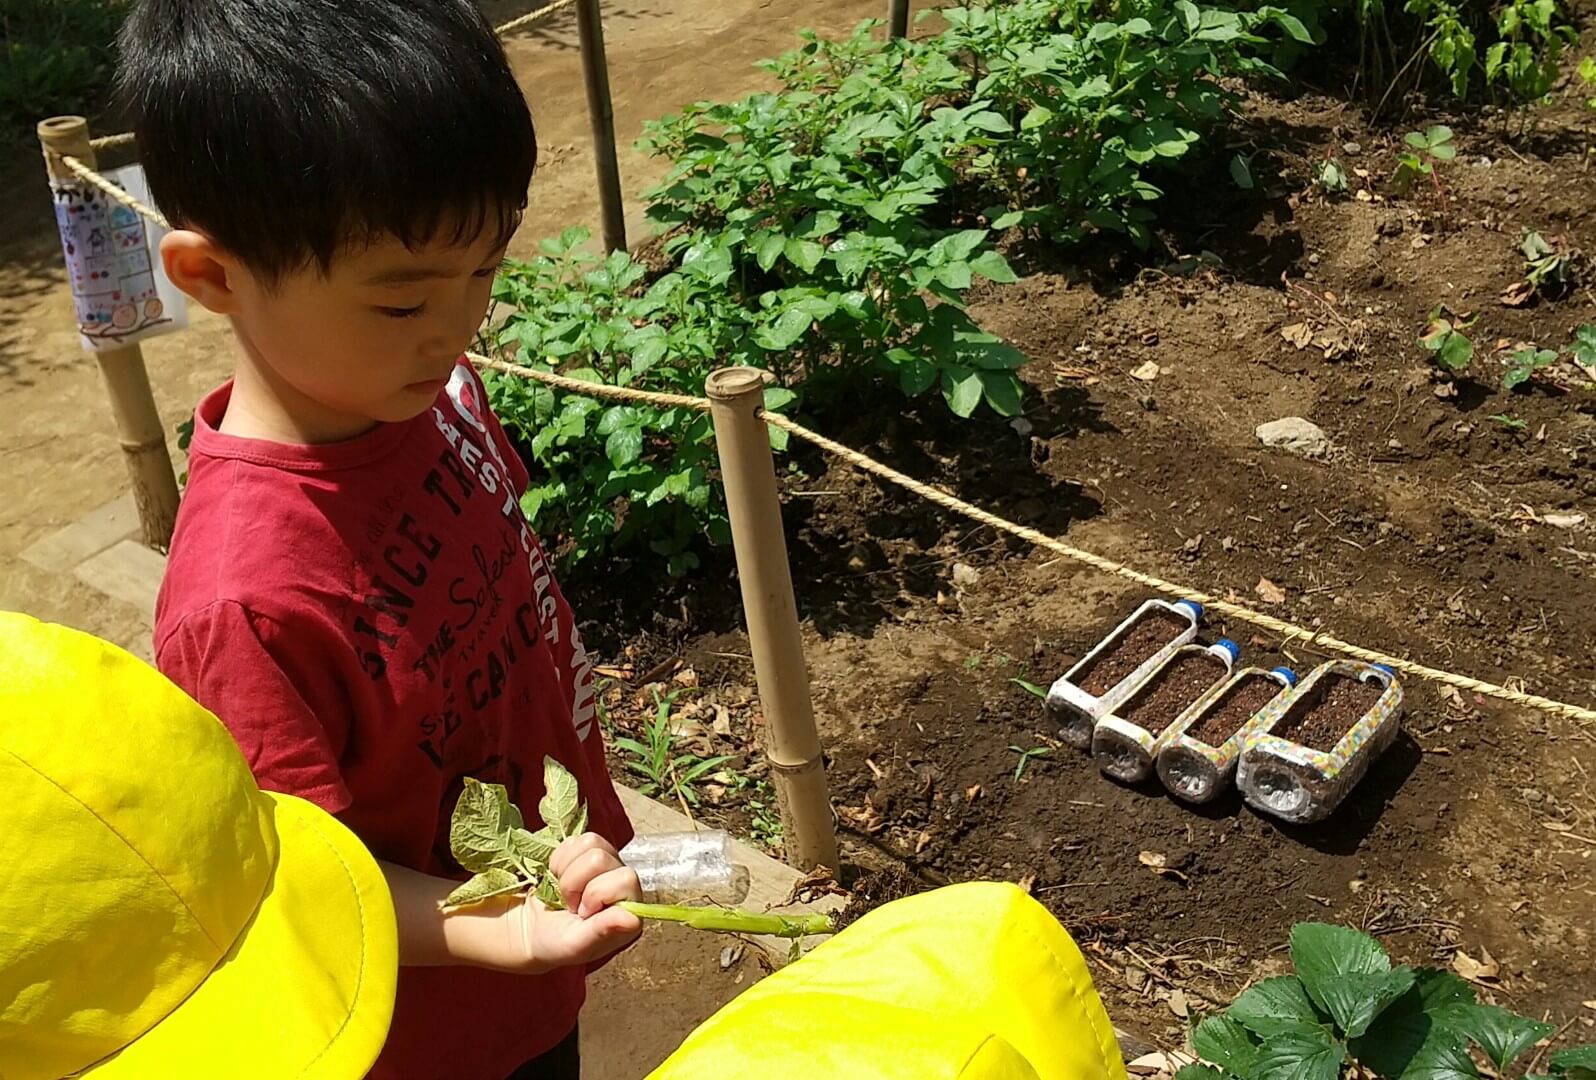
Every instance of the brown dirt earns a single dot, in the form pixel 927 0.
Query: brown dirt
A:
pixel 1172 691
pixel 1234 708
pixel 1327 711
pixel 1145 637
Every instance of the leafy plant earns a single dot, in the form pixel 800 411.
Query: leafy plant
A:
pixel 1427 149
pixel 488 836
pixel 1528 59
pixel 1511 423
pixel 1448 341
pixel 1030 688
pixel 56 57
pixel 656 760
pixel 1583 349
pixel 1347 1004
pixel 1523 363
pixel 1587 75
pixel 1545 268
pixel 1027 756
pixel 1332 178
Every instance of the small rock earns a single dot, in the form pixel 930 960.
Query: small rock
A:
pixel 1135 977
pixel 730 955
pixel 1390 225
pixel 1313 259
pixel 1530 795
pixel 1564 521
pixel 965 576
pixel 1393 444
pixel 1146 372
pixel 1352 148
pixel 1022 427
pixel 1228 543
pixel 1294 434
pixel 1150 338
pixel 1148 402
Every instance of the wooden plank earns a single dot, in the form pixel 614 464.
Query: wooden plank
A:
pixel 128 571
pixel 102 527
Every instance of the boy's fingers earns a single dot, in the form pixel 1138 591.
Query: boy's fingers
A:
pixel 581 871
pixel 608 888
pixel 577 846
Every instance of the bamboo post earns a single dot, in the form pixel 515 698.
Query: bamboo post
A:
pixel 138 424
pixel 898 18
pixel 792 747
pixel 601 115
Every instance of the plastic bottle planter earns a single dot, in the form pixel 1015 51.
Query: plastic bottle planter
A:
pixel 1197 756
pixel 1120 661
pixel 1127 740
pixel 1329 729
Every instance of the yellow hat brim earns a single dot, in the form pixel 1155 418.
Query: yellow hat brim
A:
pixel 307 989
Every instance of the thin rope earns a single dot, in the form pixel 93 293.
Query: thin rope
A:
pixel 1291 631
pixel 520 22
pixel 111 142
pixel 532 17
pixel 94 179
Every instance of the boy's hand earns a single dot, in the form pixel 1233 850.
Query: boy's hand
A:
pixel 592 878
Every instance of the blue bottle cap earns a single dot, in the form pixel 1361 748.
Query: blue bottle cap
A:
pixel 1192 606
pixel 1384 668
pixel 1229 646
pixel 1287 674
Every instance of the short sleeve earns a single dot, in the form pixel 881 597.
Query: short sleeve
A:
pixel 243 668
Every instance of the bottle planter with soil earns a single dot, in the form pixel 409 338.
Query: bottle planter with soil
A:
pixel 1117 665
pixel 1126 740
pixel 1197 757
pixel 1330 728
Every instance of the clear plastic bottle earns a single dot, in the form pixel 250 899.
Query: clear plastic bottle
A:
pixel 681 868
pixel 1125 749
pixel 1198 771
pixel 1104 676
pixel 1295 782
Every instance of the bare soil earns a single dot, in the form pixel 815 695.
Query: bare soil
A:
pixel 1143 639
pixel 1234 708
pixel 1329 710
pixel 1173 690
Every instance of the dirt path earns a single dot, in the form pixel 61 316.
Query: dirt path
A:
pixel 58 452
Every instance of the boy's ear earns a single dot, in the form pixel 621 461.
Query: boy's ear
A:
pixel 201 269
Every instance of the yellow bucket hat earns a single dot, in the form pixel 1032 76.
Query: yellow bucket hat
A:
pixel 160 915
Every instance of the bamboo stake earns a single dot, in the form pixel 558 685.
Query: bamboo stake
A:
pixel 792 747
pixel 127 384
pixel 898 18
pixel 601 115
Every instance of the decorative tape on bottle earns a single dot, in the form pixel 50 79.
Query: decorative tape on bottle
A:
pixel 1327 763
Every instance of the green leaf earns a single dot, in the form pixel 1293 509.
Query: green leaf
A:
pixel 1573 1060
pixel 479 828
pixel 1355 999
pixel 1003 392
pixel 778 398
pixel 1189 15
pixel 534 848
pixel 779 438
pixel 1241 173
pixel 769 250
pixel 962 389
pixel 1411 1033
pixel 955 275
pixel 624 446
pixel 649 353
pixel 804 254
pixel 1456 351
pixel 616 417
pixel 1226 1043
pixel 487 884
pixel 548 891
pixel 1273 1005
pixel 1320 951
pixel 789 326
pixel 1307 1053
pixel 957 247
pixel 915 375
pixel 821 223
pixel 1039 116
pixel 1501 1034
pixel 561 804
pixel 993 267
pixel 991 122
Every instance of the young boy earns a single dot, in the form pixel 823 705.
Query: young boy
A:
pixel 352 587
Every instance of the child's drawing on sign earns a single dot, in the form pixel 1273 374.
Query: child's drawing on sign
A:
pixel 118 288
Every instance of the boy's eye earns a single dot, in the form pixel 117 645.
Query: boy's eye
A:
pixel 401 312
pixel 487 271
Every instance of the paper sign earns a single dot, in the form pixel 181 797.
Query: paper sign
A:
pixel 112 257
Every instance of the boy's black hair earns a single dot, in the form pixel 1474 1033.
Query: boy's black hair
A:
pixel 289 130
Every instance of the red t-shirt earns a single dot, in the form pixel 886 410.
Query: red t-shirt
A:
pixel 374 621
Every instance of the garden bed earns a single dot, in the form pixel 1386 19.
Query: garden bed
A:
pixel 1430 529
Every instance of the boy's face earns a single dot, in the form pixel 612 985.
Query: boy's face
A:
pixel 376 336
